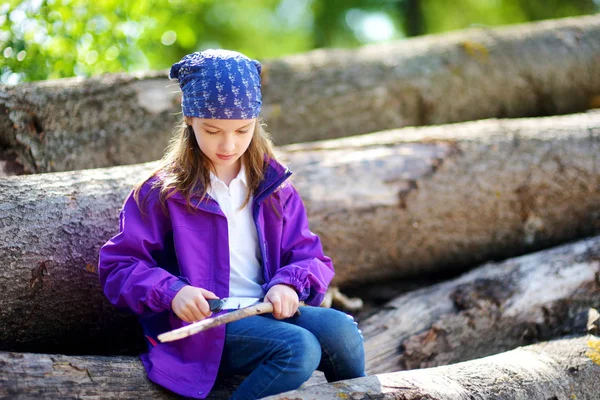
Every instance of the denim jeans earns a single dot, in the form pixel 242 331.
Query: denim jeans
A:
pixel 280 355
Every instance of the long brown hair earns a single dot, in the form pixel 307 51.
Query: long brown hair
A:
pixel 185 169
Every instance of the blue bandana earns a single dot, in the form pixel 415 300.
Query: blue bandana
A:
pixel 219 84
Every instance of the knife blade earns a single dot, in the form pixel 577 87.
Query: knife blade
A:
pixel 232 303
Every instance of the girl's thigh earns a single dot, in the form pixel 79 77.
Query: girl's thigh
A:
pixel 330 326
pixel 251 341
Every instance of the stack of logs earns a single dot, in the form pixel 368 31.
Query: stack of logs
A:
pixel 431 201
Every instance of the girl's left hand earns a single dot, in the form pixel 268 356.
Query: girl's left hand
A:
pixel 284 299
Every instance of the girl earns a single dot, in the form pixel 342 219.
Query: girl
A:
pixel 218 218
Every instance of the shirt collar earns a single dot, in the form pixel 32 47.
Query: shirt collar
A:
pixel 241 176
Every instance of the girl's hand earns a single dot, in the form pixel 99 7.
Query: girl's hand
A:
pixel 190 303
pixel 284 299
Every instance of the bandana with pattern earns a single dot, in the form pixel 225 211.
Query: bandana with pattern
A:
pixel 219 84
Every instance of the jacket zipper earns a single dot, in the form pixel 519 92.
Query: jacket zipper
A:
pixel 257 204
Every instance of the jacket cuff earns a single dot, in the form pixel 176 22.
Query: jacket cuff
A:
pixel 298 285
pixel 171 291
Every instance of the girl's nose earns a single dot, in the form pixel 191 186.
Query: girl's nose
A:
pixel 228 143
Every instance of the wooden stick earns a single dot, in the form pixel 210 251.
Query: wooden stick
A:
pixel 180 333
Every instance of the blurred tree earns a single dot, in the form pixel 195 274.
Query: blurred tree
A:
pixel 351 23
pixel 41 39
pixel 446 15
pixel 60 38
pixel 414 20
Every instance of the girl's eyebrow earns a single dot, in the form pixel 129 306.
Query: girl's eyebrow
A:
pixel 216 127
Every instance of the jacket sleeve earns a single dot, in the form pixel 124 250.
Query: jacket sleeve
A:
pixel 303 264
pixel 129 275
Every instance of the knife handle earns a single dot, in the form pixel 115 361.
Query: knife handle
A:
pixel 215 304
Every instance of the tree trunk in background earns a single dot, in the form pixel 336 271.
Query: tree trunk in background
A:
pixel 492 309
pixel 392 204
pixel 439 199
pixel 544 68
pixel 413 18
pixel 549 67
pixel 72 124
pixel 52 228
pixel 562 369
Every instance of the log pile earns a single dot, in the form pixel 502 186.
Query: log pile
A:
pixel 405 202
pixel 390 204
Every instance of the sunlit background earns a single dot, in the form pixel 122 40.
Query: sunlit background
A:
pixel 62 38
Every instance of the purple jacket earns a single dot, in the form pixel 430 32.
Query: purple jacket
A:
pixel 155 255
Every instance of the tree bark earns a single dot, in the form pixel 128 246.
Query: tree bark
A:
pixel 492 309
pixel 52 227
pixel 392 204
pixel 30 375
pixel 543 68
pixel 439 199
pixel 72 124
pixel 561 369
pixel 564 368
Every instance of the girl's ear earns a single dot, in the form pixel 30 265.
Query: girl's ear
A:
pixel 187 120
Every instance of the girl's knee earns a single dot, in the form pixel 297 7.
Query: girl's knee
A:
pixel 302 354
pixel 343 327
pixel 299 347
pixel 307 351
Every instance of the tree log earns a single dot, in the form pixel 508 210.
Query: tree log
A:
pixel 439 199
pixel 30 375
pixel 75 123
pixel 564 368
pixel 392 204
pixel 489 310
pixel 542 68
pixel 561 369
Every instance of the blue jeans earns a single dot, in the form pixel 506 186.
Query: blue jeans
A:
pixel 280 355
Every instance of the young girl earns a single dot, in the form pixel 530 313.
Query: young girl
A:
pixel 219 219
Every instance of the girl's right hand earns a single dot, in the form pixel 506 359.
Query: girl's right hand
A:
pixel 190 304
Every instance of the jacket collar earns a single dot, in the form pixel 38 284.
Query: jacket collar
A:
pixel 275 175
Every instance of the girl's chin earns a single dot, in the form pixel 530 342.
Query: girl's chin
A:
pixel 231 163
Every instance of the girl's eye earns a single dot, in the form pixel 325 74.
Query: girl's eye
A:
pixel 242 132
pixel 212 132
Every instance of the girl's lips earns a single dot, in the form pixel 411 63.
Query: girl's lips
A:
pixel 224 157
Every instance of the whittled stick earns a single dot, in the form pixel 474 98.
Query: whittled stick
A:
pixel 208 323
pixel 180 333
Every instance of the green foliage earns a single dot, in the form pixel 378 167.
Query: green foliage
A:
pixel 443 16
pixel 46 39
pixel 60 38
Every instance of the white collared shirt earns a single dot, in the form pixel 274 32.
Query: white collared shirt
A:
pixel 245 275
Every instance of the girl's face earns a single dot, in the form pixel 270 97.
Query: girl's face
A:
pixel 224 141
